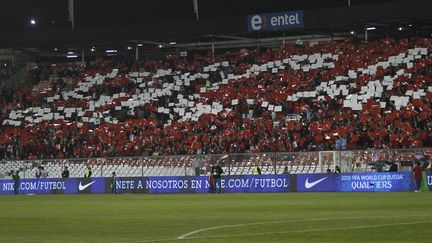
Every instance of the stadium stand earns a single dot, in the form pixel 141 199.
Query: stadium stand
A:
pixel 329 96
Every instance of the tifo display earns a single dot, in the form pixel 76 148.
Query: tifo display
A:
pixel 329 96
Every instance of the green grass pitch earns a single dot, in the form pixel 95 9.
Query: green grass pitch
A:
pixel 265 217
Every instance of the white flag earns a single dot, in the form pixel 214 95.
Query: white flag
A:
pixel 71 13
pixel 195 5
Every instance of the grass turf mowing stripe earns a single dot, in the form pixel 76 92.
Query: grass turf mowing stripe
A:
pixel 157 218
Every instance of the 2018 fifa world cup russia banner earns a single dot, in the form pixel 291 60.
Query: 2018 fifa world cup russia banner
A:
pixel 201 184
pixel 428 180
pixel 355 182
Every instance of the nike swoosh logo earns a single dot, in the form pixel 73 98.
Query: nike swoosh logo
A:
pixel 309 185
pixel 82 187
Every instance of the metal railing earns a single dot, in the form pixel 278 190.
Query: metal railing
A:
pixel 232 164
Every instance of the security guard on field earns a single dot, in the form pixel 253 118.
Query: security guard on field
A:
pixel 256 170
pixel 16 179
pixel 88 172
pixel 113 183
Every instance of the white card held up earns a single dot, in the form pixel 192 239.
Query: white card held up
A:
pixel 270 64
pixel 278 108
pixel 181 112
pixel 347 103
pixel 357 107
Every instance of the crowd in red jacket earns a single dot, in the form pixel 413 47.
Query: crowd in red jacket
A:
pixel 275 101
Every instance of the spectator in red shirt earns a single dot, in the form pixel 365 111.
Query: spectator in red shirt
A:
pixel 418 175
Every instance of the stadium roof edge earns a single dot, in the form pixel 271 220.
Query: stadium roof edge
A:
pixel 317 21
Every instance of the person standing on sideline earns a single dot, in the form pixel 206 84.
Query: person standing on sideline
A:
pixel 44 173
pixel 65 173
pixel 16 179
pixel 337 170
pixel 196 164
pixel 38 172
pixel 88 172
pixel 418 175
pixel 256 170
pixel 211 179
pixel 285 170
pixel 217 178
pixel 113 183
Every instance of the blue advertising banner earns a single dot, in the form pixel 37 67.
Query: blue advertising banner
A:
pixel 275 21
pixel 316 183
pixel 54 186
pixel 157 184
pixel 201 184
pixel 429 180
pixel 355 182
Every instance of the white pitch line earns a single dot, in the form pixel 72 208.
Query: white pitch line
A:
pixel 185 236
pixel 314 230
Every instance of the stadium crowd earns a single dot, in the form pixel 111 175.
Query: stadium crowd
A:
pixel 244 123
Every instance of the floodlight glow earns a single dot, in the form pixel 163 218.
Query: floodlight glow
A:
pixel 173 43
pixel 129 47
pixel 111 51
pixel 71 56
pixel 140 45
pixel 371 28
pixel 160 46
pixel 352 32
pixel 400 28
pixel 55 49
pixel 32 21
pixel 70 52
